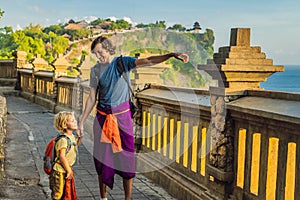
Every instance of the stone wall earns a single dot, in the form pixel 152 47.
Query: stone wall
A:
pixel 3 111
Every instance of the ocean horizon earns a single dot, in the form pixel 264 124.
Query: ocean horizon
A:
pixel 287 81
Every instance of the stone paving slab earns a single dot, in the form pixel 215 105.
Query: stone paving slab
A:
pixel 38 122
pixel 20 179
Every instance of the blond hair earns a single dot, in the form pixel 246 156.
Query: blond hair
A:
pixel 61 119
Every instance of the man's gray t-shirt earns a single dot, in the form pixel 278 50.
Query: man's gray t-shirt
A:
pixel 113 89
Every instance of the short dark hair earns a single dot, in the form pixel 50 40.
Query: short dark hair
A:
pixel 106 44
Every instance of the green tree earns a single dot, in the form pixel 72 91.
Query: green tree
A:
pixel 119 24
pixel 158 24
pixel 112 26
pixel 71 21
pixel 34 31
pixel 57 29
pixel 57 45
pixel 178 27
pixel 122 24
pixel 37 47
pixel 6 43
pixel 79 34
pixel 6 30
pixel 97 21
pixel 207 40
pixel 141 25
pixel 1 13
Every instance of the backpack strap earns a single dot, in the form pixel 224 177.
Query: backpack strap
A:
pixel 58 137
pixel 121 70
pixel 68 140
pixel 96 73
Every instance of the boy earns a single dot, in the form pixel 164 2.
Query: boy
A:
pixel 62 177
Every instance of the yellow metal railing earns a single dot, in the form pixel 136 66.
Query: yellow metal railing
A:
pixel 278 181
pixel 176 140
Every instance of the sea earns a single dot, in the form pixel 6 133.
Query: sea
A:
pixel 287 81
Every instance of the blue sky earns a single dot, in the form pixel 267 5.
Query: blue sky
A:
pixel 275 25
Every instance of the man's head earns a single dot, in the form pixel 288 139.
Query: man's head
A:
pixel 102 48
pixel 105 43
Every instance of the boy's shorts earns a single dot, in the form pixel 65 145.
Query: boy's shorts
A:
pixel 57 183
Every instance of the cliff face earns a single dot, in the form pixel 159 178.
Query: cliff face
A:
pixel 146 42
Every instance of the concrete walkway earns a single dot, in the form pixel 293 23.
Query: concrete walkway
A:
pixel 35 124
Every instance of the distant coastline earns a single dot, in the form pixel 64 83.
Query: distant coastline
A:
pixel 287 81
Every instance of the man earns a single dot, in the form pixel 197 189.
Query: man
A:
pixel 113 129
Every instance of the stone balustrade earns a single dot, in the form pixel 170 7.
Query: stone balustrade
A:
pixel 8 69
pixel 8 73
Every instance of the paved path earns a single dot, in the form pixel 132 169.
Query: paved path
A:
pixel 36 123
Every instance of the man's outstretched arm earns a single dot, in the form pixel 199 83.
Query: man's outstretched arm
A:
pixel 153 60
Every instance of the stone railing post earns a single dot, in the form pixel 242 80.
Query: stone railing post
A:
pixel 238 68
pixel 55 91
pixel 28 82
pixel 19 62
pixel 221 157
pixel 39 63
pixel 85 69
pixel 60 69
pixel 78 95
pixel 20 59
pixel 61 65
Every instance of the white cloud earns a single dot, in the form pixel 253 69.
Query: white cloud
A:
pixel 127 19
pixel 92 18
pixel 89 19
pixel 112 18
pixel 65 20
pixel 18 27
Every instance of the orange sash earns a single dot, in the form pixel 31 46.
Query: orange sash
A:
pixel 70 190
pixel 111 132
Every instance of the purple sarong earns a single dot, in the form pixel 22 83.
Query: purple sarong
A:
pixel 107 163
